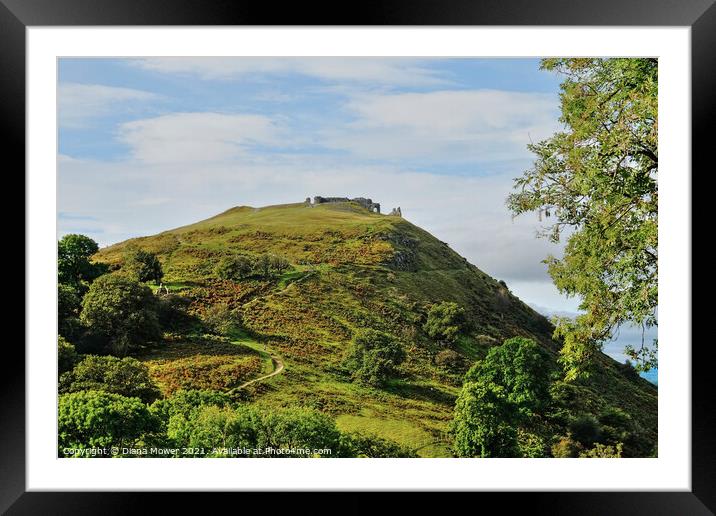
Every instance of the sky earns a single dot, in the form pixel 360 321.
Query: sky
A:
pixel 150 144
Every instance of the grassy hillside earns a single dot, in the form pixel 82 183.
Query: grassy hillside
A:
pixel 352 269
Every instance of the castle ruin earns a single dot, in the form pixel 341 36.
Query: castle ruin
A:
pixel 368 204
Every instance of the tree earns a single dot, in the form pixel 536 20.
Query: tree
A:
pixel 485 422
pixel 66 355
pixel 89 419
pixel 445 322
pixel 598 178
pixel 233 268
pixel 374 357
pixel 73 264
pixel 499 398
pixel 143 266
pixel 523 368
pixel 68 308
pixel 122 311
pixel 126 376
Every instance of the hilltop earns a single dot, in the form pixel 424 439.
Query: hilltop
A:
pixel 354 268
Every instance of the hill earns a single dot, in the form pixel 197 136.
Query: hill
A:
pixel 353 269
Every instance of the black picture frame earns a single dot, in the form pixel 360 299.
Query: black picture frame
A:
pixel 699 15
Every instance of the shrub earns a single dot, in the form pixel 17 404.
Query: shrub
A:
pixel 585 430
pixel 142 266
pixel 66 355
pixel 450 360
pixel 356 444
pixel 101 419
pixel 122 311
pixel 603 451
pixel 445 322
pixel 279 264
pixel 205 372
pixel 233 268
pixel 126 376
pixel 566 448
pixel 220 319
pixel 373 357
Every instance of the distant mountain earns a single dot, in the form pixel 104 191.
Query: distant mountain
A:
pixel 352 269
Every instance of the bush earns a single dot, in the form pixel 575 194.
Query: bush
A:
pixel 373 357
pixel 247 427
pixel 220 319
pixel 450 360
pixel 122 311
pixel 233 268
pixel 356 444
pixel 172 312
pixel 566 448
pixel 445 322
pixel 585 430
pixel 142 266
pixel 101 419
pixel 125 376
pixel 66 355
pixel 603 451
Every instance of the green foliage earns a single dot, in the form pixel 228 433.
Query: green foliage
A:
pixel 102 419
pixel 502 392
pixel 66 355
pixel 250 428
pixel 585 430
pixel 445 322
pixel 523 368
pixel 73 264
pixel 599 179
pixel 221 319
pixel 356 444
pixel 143 266
pixel 122 311
pixel 373 357
pixel 69 303
pixel 126 376
pixel 603 451
pixel 485 423
pixel 234 268
pixel 450 360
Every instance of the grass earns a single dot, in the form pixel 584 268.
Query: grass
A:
pixel 351 269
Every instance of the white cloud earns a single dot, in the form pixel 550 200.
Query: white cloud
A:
pixel 383 71
pixel 78 104
pixel 457 125
pixel 196 137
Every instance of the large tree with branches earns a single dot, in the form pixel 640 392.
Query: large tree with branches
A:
pixel 596 180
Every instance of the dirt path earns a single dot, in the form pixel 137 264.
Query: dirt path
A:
pixel 277 368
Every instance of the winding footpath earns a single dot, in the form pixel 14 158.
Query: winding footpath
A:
pixel 277 368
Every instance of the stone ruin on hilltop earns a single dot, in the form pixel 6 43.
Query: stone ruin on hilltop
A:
pixel 368 204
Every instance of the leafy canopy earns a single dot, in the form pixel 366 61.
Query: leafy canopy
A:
pixel 126 376
pixel 99 419
pixel 500 396
pixel 73 264
pixel 598 179
pixel 373 357
pixel 143 266
pixel 445 321
pixel 122 311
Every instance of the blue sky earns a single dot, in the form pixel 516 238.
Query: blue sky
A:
pixel 150 144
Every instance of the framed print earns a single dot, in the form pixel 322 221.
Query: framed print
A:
pixel 417 247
